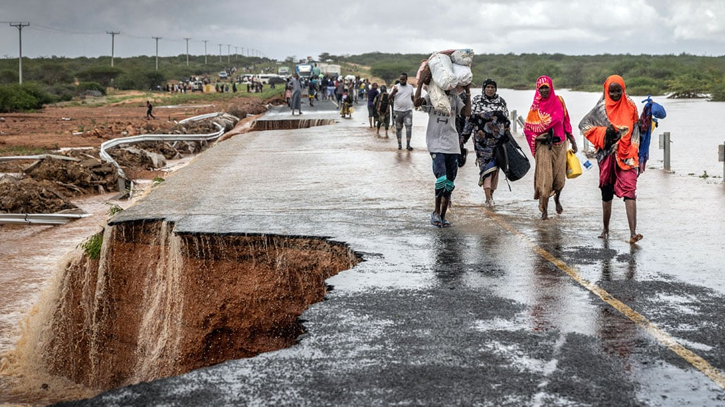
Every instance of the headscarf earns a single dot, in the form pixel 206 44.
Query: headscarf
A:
pixel 482 103
pixel 546 114
pixel 623 115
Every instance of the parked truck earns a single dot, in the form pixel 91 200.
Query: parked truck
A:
pixel 304 70
pixel 330 69
pixel 283 70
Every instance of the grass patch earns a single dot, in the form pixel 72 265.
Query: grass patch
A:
pixel 22 150
pixel 92 246
pixel 113 209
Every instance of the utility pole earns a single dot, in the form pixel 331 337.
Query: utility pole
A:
pixel 229 53
pixel 157 51
pixel 205 41
pixel 187 50
pixel 20 54
pixel 220 52
pixel 113 37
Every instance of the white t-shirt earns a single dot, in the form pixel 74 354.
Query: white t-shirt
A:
pixel 441 135
pixel 403 100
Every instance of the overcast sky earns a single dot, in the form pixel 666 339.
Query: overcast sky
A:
pixel 282 28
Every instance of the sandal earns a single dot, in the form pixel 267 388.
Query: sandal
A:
pixel 446 223
pixel 435 220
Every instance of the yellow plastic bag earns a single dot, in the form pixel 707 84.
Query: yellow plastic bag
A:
pixel 573 167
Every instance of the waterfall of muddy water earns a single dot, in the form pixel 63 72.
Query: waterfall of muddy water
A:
pixel 289 124
pixel 158 304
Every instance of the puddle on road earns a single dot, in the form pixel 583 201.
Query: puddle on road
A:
pixel 289 124
pixel 157 304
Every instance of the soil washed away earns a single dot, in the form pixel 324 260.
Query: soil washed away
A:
pixel 157 304
pixel 289 124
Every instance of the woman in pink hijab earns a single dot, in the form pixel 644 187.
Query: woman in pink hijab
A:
pixel 547 128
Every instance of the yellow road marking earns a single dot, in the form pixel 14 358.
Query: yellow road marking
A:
pixel 691 357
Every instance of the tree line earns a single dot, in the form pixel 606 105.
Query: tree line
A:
pixel 55 79
pixel 681 75
pixel 49 80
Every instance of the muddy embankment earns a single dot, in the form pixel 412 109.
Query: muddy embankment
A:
pixel 156 304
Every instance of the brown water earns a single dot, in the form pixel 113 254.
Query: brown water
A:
pixel 31 259
pixel 158 304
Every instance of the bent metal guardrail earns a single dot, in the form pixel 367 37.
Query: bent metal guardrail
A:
pixel 40 218
pixel 160 137
pixel 59 219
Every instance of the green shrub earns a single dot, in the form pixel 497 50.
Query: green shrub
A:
pixel 39 93
pixel 129 81
pixel 100 74
pixel 62 92
pixel 84 87
pixel 28 96
pixel 8 77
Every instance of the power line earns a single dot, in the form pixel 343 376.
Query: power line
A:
pixel 63 30
pixel 37 27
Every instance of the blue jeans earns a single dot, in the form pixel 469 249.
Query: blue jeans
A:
pixel 445 169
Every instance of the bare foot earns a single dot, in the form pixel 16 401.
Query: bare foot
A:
pixel 544 216
pixel 636 238
pixel 604 235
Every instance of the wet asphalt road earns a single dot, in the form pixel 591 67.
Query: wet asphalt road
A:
pixel 500 310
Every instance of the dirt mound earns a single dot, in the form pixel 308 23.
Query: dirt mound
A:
pixel 77 177
pixel 31 196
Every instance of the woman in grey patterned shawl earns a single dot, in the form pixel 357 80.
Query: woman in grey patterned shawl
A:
pixel 489 123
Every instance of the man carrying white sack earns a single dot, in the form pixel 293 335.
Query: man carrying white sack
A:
pixel 402 96
pixel 442 140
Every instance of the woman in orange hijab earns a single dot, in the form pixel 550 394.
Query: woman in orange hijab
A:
pixel 612 126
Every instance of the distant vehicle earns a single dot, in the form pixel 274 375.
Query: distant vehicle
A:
pixel 223 75
pixel 265 78
pixel 278 80
pixel 283 70
pixel 245 78
pixel 197 86
pixel 304 70
pixel 330 69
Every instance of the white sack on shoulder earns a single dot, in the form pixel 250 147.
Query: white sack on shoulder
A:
pixel 463 74
pixel 442 70
pixel 439 99
pixel 462 57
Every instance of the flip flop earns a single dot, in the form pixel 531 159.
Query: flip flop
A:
pixel 635 238
pixel 435 220
pixel 446 224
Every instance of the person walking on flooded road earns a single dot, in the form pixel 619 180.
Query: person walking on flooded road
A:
pixel 296 98
pixel 489 124
pixel 547 128
pixel 402 96
pixel 612 126
pixel 371 95
pixel 382 110
pixel 443 145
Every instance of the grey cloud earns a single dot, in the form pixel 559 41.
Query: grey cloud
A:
pixel 281 28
